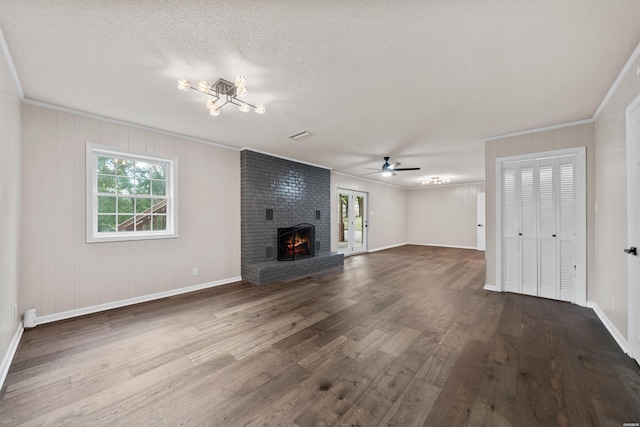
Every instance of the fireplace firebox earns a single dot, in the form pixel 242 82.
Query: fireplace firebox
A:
pixel 296 242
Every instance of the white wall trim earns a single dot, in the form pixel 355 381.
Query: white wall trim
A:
pixel 618 80
pixel 615 333
pixel 387 247
pixel 11 352
pixel 12 71
pixel 131 301
pixel 124 123
pixel 443 246
pixel 266 153
pixel 370 180
pixel 492 288
pixel 542 129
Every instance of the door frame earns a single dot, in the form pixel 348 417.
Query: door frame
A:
pixel 633 264
pixel 581 215
pixel 352 250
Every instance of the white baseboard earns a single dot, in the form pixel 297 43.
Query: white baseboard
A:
pixel 130 301
pixel 387 247
pixel 615 333
pixel 443 246
pixel 488 287
pixel 11 352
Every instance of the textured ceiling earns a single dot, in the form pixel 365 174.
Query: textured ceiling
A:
pixel 421 81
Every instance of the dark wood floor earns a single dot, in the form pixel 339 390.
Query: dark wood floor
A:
pixel 402 337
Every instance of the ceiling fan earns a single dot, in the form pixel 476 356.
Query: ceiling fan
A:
pixel 388 169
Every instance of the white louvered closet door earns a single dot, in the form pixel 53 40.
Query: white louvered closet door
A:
pixel 567 229
pixel 547 236
pixel 529 228
pixel 539 227
pixel 511 227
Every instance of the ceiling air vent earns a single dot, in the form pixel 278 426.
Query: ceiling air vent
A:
pixel 300 134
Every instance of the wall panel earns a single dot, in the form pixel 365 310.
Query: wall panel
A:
pixel 387 211
pixel 443 215
pixel 61 272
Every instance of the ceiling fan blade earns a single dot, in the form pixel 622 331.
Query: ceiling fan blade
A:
pixel 407 169
pixel 371 173
pixel 372 169
pixel 395 165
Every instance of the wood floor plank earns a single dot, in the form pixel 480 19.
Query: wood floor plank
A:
pixel 401 337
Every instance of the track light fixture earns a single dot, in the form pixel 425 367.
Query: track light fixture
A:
pixel 223 92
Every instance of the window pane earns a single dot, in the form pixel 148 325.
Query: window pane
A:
pixel 143 169
pixel 160 222
pixel 106 184
pixel 143 186
pixel 142 205
pixel 143 222
pixel 125 167
pixel 106 223
pixel 125 205
pixel 126 185
pixel 125 223
pixel 106 165
pixel 106 204
pixel 159 188
pixel 158 171
pixel 159 206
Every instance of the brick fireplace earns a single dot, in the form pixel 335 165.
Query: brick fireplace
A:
pixel 278 194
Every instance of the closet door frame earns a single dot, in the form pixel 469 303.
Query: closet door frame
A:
pixel 581 215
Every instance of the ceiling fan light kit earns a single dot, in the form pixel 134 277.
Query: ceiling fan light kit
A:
pixel 388 169
pixel 223 92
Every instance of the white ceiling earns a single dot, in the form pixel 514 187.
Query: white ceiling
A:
pixel 421 81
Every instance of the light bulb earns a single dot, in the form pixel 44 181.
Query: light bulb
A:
pixel 211 104
pixel 214 112
pixel 184 84
pixel 244 108
pixel 260 109
pixel 241 91
pixel 204 86
pixel 241 81
pixel 387 173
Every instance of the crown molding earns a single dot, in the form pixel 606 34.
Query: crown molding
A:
pixel 125 123
pixel 616 83
pixel 11 65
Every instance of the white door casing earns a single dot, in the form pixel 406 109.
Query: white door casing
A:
pixel 633 228
pixel 355 217
pixel 541 224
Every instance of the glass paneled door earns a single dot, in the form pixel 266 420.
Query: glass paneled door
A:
pixel 352 227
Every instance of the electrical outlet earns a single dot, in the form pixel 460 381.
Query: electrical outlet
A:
pixel 195 271
pixel 15 311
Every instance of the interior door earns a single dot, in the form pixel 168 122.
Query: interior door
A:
pixel 352 228
pixel 633 227
pixel 511 227
pixel 481 236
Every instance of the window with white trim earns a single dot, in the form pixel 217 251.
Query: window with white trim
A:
pixel 130 196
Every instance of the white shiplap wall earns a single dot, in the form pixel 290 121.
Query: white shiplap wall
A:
pixel 61 273
pixel 443 215
pixel 9 211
